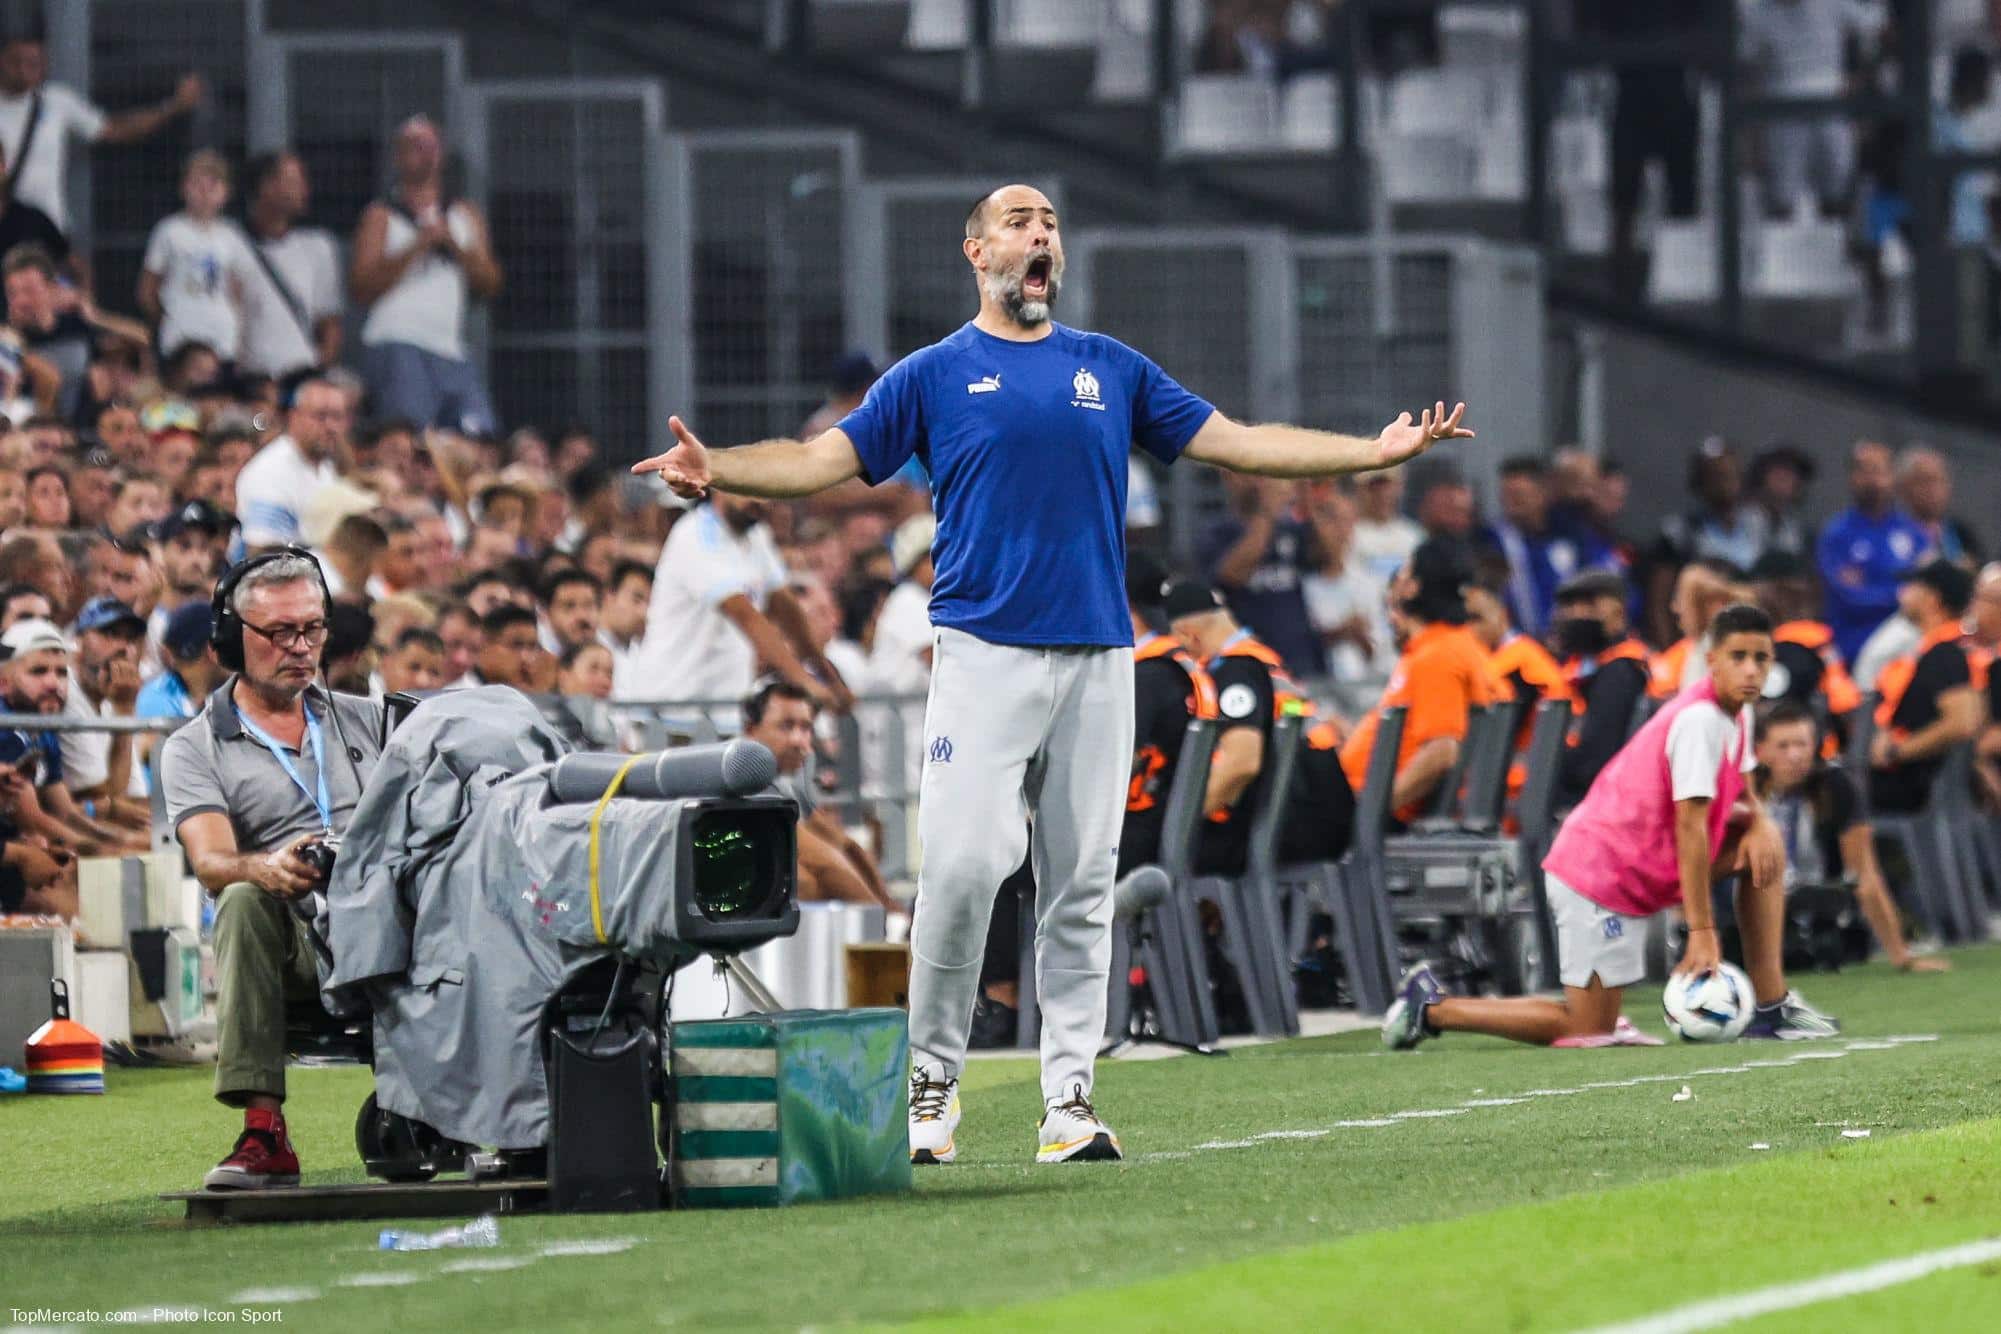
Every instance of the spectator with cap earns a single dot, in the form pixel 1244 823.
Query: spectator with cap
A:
pixel 853 374
pixel 1865 551
pixel 1924 485
pixel 1259 557
pixel 104 683
pixel 189 674
pixel 1254 690
pixel 35 676
pixel 61 325
pixel 293 298
pixel 92 486
pixel 39 118
pixel 420 256
pixel 1777 483
pixel 197 263
pixel 273 488
pixel 1606 670
pixel 1441 677
pixel 193 543
pixel 1930 700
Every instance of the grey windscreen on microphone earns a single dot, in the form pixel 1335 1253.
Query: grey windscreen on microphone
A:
pixel 748 766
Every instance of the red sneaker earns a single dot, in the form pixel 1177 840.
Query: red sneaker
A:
pixel 262 1157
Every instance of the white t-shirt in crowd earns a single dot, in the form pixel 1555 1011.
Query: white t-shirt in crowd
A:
pixel 272 491
pixel 1382 548
pixel 274 342
pixel 691 650
pixel 1335 599
pixel 64 115
pixel 1697 740
pixel 426 308
pixel 201 267
pixel 86 755
pixel 902 634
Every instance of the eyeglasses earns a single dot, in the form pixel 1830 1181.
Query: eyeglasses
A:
pixel 291 636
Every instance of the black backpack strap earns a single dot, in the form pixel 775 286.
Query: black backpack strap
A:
pixel 284 289
pixel 27 143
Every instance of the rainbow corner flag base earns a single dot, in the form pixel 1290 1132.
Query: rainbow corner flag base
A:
pixel 63 1055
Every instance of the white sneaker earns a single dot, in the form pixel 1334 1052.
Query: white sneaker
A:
pixel 1072 1132
pixel 934 1117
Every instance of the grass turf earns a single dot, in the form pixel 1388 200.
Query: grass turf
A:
pixel 1553 1212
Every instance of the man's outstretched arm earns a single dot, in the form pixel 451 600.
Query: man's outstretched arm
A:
pixel 1277 450
pixel 774 469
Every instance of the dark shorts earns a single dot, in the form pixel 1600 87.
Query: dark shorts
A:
pixel 13 889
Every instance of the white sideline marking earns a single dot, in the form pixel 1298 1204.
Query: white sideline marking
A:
pixel 1720 1311
pixel 590 1246
pixel 1399 1118
pixel 488 1264
pixel 387 1278
pixel 273 1296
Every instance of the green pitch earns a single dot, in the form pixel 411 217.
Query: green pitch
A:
pixel 1523 1200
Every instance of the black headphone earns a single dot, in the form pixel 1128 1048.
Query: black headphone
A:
pixel 225 633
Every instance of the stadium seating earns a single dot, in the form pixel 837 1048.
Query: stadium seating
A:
pixel 1167 941
pixel 1928 839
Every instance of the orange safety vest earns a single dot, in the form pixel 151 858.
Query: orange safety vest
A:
pixel 1894 681
pixel 1287 699
pixel 1519 655
pixel 1668 665
pixel 1150 760
pixel 1843 695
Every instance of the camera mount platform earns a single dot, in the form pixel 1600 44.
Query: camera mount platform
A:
pixel 349 1203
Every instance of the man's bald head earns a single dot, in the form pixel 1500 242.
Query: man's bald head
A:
pixel 996 204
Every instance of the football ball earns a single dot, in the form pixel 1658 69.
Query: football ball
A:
pixel 1711 1006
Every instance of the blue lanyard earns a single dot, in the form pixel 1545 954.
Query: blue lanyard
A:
pixel 1229 644
pixel 324 800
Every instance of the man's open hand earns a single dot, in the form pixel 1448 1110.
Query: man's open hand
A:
pixel 685 468
pixel 1404 439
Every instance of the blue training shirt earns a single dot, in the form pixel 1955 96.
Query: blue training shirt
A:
pixel 1026 444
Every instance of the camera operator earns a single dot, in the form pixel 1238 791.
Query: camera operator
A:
pixel 255 789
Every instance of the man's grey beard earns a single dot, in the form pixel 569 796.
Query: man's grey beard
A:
pixel 1004 289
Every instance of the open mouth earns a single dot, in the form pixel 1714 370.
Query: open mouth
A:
pixel 1035 281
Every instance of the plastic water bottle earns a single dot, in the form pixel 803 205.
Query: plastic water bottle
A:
pixel 482 1231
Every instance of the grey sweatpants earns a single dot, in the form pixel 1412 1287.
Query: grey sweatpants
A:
pixel 1014 735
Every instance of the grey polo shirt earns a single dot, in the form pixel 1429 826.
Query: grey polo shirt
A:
pixel 213 764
